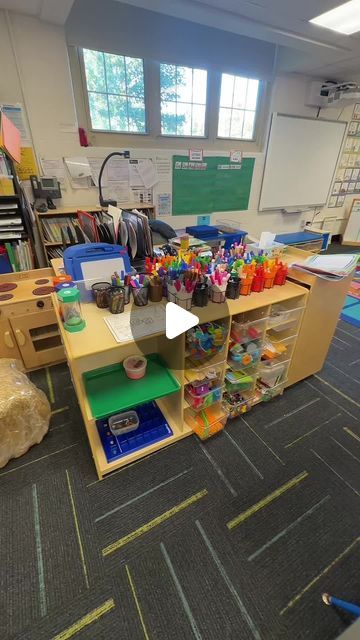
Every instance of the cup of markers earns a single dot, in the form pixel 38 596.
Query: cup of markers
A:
pixel 140 289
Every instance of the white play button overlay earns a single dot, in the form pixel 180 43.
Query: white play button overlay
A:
pixel 178 320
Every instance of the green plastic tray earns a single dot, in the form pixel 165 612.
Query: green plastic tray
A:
pixel 109 390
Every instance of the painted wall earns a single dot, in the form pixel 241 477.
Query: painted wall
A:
pixel 35 71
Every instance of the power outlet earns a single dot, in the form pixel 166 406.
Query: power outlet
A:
pixel 203 220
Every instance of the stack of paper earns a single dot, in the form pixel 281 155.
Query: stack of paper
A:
pixel 329 267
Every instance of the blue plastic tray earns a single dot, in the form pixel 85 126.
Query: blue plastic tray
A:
pixel 152 428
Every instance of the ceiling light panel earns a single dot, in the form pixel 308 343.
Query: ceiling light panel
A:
pixel 343 19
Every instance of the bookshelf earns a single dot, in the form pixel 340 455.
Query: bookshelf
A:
pixel 16 235
pixel 45 221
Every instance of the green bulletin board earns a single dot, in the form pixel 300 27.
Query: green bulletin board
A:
pixel 210 186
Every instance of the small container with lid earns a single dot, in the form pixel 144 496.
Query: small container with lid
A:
pixel 71 310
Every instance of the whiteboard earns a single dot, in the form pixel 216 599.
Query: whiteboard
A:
pixel 352 231
pixel 301 158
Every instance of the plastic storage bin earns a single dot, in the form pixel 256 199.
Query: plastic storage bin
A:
pixel 200 397
pixel 236 404
pixel 197 375
pixel 270 393
pixel 208 422
pixel 272 373
pixel 152 428
pixel 240 381
pixel 250 331
pixel 205 340
pixel 282 318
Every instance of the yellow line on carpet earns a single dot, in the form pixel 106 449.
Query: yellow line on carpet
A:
pixel 59 410
pixel 320 575
pixel 337 391
pixel 132 586
pixel 82 555
pixel 91 617
pixel 265 501
pixel 351 433
pixel 50 385
pixel 153 523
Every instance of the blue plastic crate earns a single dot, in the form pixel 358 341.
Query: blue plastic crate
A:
pixel 152 428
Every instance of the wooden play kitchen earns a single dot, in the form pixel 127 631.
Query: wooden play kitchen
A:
pixel 28 326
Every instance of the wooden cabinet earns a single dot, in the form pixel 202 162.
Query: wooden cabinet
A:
pixel 8 344
pixel 37 338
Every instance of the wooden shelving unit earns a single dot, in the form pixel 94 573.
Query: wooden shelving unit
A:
pixel 69 212
pixel 95 347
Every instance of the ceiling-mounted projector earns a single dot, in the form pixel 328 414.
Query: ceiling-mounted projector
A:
pixel 332 94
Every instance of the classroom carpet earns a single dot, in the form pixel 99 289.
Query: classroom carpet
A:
pixel 235 538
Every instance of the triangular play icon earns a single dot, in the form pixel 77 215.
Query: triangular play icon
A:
pixel 178 320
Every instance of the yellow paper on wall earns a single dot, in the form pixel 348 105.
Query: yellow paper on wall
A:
pixel 6 186
pixel 27 166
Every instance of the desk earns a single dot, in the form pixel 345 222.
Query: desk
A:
pixel 305 240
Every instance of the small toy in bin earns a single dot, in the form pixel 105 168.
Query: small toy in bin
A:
pixel 135 367
pixel 70 309
pixel 205 340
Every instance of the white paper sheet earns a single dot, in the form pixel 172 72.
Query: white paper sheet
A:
pixel 148 173
pixel 164 205
pixel 135 178
pixel 128 327
pixel 118 191
pixel 118 169
pixel 78 167
pixel 115 212
pixel 53 167
pixel 95 166
pixel 266 239
pixel 163 168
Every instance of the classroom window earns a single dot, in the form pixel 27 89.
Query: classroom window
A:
pixel 116 94
pixel 238 105
pixel 183 100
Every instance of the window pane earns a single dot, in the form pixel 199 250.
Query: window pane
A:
pixel 198 120
pixel 184 84
pixel 94 70
pixel 183 120
pixel 224 123
pixel 118 113
pixel 249 121
pixel 115 73
pixel 227 89
pixel 135 77
pixel 237 120
pixel 252 93
pixel 136 111
pixel 199 86
pixel 168 82
pixel 99 111
pixel 240 92
pixel 168 118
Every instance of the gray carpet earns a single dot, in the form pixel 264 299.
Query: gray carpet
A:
pixel 236 538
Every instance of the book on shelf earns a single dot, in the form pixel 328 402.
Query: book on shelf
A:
pixel 20 255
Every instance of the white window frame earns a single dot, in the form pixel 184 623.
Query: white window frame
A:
pixel 87 103
pixel 206 122
pixel 259 100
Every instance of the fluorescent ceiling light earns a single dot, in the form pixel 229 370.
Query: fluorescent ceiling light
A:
pixel 344 19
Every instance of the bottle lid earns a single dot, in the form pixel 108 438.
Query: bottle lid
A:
pixel 69 295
